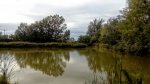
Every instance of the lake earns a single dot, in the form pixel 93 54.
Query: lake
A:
pixel 73 66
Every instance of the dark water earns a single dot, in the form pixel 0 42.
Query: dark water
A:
pixel 72 66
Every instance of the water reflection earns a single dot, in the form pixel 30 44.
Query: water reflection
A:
pixel 109 67
pixel 49 62
pixel 100 66
pixel 138 66
pixel 98 60
pixel 99 78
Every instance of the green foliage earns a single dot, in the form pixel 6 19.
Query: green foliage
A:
pixel 134 27
pixel 50 29
pixel 66 36
pixel 92 34
pixel 84 39
pixel 94 29
pixel 109 33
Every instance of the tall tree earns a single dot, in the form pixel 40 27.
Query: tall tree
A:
pixel 94 29
pixel 135 26
pixel 20 33
pixel 66 36
pixel 109 33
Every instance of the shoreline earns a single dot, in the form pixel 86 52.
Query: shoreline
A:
pixel 41 45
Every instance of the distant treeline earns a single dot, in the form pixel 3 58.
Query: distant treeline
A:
pixel 128 32
pixel 49 29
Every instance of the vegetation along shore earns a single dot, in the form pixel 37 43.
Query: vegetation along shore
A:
pixel 41 45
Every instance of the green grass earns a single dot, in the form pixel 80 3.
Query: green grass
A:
pixel 48 45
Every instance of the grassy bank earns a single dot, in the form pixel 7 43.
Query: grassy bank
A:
pixel 39 45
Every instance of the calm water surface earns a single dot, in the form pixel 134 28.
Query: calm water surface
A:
pixel 71 66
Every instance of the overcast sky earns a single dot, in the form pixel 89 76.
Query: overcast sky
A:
pixel 77 13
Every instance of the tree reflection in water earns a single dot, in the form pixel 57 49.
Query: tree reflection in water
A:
pixel 50 62
pixel 107 68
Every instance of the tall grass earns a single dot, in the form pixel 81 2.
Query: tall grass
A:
pixel 51 45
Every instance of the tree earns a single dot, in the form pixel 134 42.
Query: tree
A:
pixel 135 26
pixel 21 33
pixel 1 35
pixel 50 29
pixel 66 35
pixel 84 39
pixel 94 30
pixel 53 27
pixel 109 33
